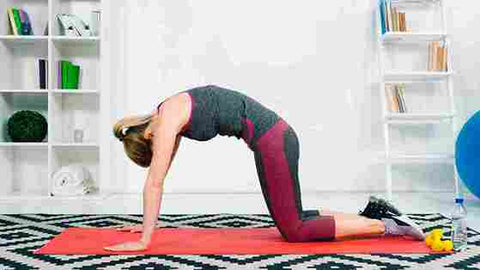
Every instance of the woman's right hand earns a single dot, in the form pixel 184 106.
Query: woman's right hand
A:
pixel 130 228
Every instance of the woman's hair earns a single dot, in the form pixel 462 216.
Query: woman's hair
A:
pixel 130 130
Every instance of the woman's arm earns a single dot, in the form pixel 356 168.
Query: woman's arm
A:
pixel 175 149
pixel 164 143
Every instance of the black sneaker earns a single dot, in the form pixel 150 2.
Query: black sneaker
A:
pixel 378 208
pixel 402 225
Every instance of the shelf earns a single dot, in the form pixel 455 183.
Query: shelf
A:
pixel 420 117
pixel 76 145
pixel 31 91
pixel 45 144
pixel 416 76
pixel 27 168
pixel 414 1
pixel 57 39
pixel 410 37
pixel 421 158
pixel 66 40
pixel 23 144
pixel 11 39
pixel 74 91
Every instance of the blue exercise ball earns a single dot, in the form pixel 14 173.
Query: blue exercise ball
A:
pixel 467 154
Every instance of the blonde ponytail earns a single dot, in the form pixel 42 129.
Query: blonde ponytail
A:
pixel 130 130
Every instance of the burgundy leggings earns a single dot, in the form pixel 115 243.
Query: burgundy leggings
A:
pixel 276 159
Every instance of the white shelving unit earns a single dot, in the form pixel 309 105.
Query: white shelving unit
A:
pixel 28 168
pixel 397 66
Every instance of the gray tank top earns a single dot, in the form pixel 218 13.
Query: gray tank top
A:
pixel 217 110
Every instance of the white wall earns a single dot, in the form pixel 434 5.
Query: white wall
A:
pixel 313 62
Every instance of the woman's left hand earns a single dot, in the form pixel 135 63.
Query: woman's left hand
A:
pixel 128 246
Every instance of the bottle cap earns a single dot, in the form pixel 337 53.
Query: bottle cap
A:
pixel 458 200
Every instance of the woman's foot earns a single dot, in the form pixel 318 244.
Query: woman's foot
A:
pixel 378 208
pixel 395 222
pixel 402 225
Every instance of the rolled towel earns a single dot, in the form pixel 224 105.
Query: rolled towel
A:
pixel 72 180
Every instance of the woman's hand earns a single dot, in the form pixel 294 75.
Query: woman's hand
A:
pixel 128 246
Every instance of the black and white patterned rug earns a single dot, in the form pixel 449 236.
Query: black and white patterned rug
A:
pixel 21 234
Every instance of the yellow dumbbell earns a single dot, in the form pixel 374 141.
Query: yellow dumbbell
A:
pixel 429 240
pixel 437 245
pixel 437 233
pixel 448 245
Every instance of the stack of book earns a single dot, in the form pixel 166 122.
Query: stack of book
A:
pixel 437 56
pixel 395 96
pixel 20 24
pixel 68 75
pixel 392 19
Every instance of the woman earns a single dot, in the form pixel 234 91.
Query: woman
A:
pixel 203 112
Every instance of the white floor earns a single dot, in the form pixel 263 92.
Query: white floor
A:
pixel 349 202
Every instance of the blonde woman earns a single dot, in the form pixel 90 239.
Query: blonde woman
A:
pixel 202 113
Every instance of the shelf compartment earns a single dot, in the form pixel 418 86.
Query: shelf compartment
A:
pixel 86 156
pixel 37 11
pixel 423 100
pixel 83 9
pixel 84 54
pixel 24 169
pixel 421 16
pixel 13 102
pixel 423 177
pixel 70 112
pixel 19 65
pixel 421 140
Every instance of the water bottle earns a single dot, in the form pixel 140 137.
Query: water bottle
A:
pixel 459 225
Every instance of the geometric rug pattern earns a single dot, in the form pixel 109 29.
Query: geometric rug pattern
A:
pixel 21 234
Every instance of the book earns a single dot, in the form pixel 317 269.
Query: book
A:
pixel 392 99
pixel 445 59
pixel 397 97
pixel 73 72
pixel 434 48
pixel 26 24
pixel 81 27
pixel 401 17
pixel 401 93
pixel 18 23
pixel 13 25
pixel 382 17
pixel 389 15
pixel 66 26
pixel 68 75
pixel 42 73
pixel 395 19
pixel 430 54
pixel 62 73
pixel 439 63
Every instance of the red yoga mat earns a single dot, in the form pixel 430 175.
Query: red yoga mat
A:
pixel 220 241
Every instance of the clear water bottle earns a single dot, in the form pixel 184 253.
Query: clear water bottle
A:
pixel 459 225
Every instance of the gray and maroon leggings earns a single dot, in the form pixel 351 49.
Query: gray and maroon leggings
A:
pixel 276 158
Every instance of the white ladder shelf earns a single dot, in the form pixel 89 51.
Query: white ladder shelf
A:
pixel 408 77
